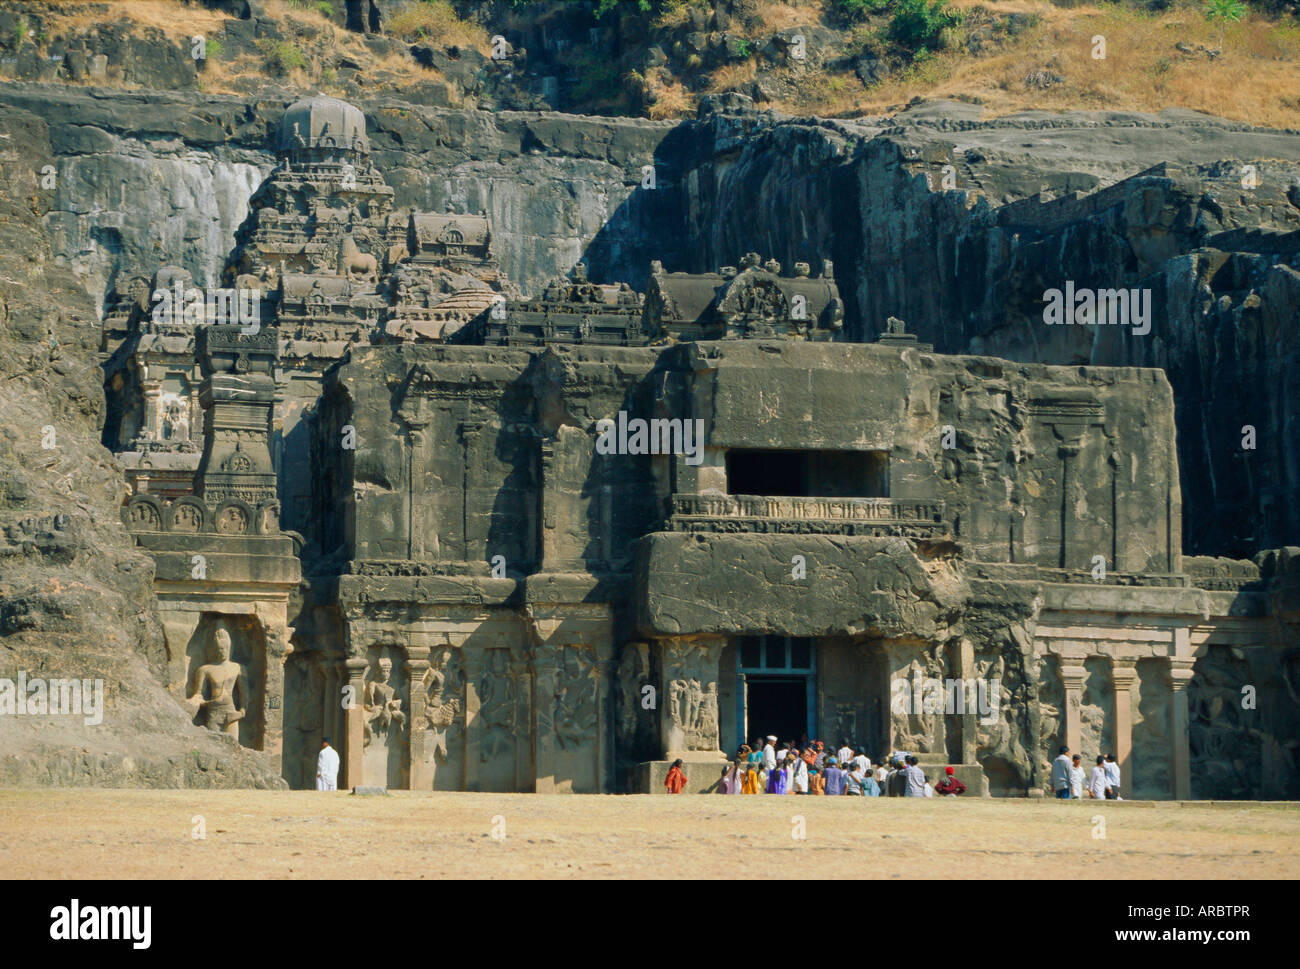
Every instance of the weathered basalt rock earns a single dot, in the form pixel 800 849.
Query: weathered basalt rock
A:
pixel 76 600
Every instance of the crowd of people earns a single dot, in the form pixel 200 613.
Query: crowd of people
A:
pixel 772 767
pixel 1068 777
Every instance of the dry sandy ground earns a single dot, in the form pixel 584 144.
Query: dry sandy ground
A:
pixel 269 834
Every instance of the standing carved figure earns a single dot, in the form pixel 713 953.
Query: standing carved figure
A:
pixel 443 704
pixel 497 708
pixel 575 700
pixel 382 705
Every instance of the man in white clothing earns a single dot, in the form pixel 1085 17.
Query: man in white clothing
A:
pixel 1097 781
pixel 862 761
pixel 327 767
pixel 1112 778
pixel 769 753
pixel 800 782
pixel 882 776
pixel 1076 779
pixel 845 753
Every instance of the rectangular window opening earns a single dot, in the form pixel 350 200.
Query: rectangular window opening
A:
pixel 780 473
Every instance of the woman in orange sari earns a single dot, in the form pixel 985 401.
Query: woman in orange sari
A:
pixel 675 780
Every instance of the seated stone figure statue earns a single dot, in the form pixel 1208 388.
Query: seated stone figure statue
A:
pixel 382 704
pixel 218 686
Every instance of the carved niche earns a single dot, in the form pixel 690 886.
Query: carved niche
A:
pixel 690 678
pixel 497 706
pixel 575 697
pixel 444 705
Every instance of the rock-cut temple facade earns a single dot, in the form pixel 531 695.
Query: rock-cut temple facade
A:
pixel 495 541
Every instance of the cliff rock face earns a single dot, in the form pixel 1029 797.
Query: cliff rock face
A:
pixel 957 226
pixel 168 176
pixel 76 600
pixel 960 227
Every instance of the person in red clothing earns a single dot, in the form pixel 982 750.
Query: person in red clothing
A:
pixel 950 785
pixel 675 780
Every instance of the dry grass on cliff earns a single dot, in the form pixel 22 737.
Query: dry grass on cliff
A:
pixel 729 77
pixel 437 23
pixel 674 100
pixel 782 16
pixel 176 21
pixel 310 42
pixel 1255 79
pixel 303 834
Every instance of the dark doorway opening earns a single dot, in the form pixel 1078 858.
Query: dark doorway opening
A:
pixel 808 474
pixel 777 705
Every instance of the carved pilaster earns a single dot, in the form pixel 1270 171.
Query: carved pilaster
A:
pixel 475 665
pixel 966 672
pixel 549 502
pixel 520 676
pixel 606 670
pixel 415 464
pixel 354 719
pixel 1123 674
pixel 152 407
pixel 1073 677
pixel 417 664
pixel 469 433
pixel 543 668
pixel 1067 452
pixel 1180 674
pixel 272 694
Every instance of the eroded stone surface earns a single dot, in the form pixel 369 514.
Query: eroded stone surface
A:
pixel 499 598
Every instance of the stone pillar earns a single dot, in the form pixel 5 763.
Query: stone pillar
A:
pixel 354 722
pixel 469 432
pixel 152 405
pixel 966 670
pixel 474 665
pixel 417 664
pixel 1123 673
pixel 277 652
pixel 881 673
pixel 549 503
pixel 196 408
pixel 1067 451
pixel 415 464
pixel 1073 676
pixel 606 670
pixel 1180 674
pixel 277 427
pixel 544 668
pixel 519 675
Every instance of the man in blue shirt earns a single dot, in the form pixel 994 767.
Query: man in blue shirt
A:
pixel 834 777
pixel 861 782
pixel 915 778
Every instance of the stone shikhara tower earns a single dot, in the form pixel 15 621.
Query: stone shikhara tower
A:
pixel 482 599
